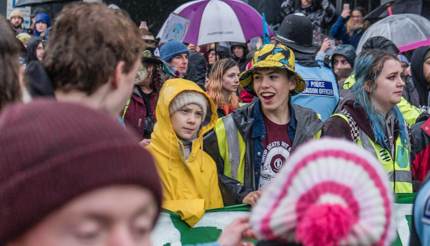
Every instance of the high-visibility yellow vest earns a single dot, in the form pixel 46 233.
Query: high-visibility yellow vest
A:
pixel 398 170
pixel 232 147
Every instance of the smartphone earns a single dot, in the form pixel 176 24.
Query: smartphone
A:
pixel 346 6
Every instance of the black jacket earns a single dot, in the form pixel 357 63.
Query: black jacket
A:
pixel 197 67
pixel 417 62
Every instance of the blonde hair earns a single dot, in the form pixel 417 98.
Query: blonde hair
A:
pixel 214 85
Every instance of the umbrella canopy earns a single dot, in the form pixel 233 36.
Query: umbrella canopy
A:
pixel 213 21
pixel 407 31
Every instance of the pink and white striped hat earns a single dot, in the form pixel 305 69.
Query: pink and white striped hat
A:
pixel 331 192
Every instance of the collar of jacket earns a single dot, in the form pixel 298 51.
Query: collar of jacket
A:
pixel 361 118
pixel 259 129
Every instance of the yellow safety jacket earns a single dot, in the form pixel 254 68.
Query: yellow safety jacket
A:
pixel 398 170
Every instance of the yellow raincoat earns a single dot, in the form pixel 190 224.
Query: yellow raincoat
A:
pixel 189 186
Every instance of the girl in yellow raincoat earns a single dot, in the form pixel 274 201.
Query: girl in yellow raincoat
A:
pixel 190 183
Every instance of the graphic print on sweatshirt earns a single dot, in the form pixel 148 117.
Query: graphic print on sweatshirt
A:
pixel 277 148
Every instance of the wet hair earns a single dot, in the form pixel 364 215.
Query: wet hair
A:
pixel 84 48
pixel 368 67
pixel 10 49
pixel 215 79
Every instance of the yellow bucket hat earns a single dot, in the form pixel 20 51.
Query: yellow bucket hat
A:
pixel 273 56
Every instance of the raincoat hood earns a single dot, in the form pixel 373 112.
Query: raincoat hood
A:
pixel 190 184
pixel 164 138
pixel 417 70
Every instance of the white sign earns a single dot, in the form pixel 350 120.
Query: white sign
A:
pixel 175 28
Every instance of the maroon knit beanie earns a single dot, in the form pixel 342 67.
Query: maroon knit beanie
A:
pixel 52 152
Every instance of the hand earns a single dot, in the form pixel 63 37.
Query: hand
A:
pixel 326 44
pixel 252 198
pixel 234 233
pixel 145 142
pixel 345 13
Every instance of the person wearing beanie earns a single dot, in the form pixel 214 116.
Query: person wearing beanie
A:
pixel 175 54
pixel 189 175
pixel 251 144
pixel 16 19
pixel 42 22
pixel 103 80
pixel 331 193
pixel 372 119
pixel 78 179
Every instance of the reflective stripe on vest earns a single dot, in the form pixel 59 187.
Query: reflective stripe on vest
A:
pixel 232 148
pixel 399 171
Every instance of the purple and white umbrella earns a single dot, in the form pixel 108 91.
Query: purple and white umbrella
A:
pixel 213 21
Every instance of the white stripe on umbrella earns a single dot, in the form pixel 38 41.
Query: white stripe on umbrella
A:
pixel 227 28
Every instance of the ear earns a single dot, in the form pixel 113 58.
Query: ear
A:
pixel 367 87
pixel 118 74
pixel 293 83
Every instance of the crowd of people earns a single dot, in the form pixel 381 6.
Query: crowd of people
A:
pixel 102 127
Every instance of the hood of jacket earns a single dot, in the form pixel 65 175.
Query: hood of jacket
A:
pixel 190 185
pixel 417 62
pixel 164 140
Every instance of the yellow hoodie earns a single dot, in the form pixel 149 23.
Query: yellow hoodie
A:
pixel 189 186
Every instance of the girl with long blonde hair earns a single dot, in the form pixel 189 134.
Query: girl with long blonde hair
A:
pixel 223 85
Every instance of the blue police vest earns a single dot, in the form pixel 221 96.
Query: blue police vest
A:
pixel 321 93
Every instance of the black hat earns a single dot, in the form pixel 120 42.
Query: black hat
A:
pixel 148 56
pixel 296 32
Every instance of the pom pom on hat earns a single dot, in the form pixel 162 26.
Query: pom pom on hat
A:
pixel 189 97
pixel 329 193
pixel 327 223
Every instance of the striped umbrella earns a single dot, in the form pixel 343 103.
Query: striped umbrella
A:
pixel 219 21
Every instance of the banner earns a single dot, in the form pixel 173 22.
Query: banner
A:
pixel 171 230
pixel 174 28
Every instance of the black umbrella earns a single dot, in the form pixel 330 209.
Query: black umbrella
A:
pixel 21 3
